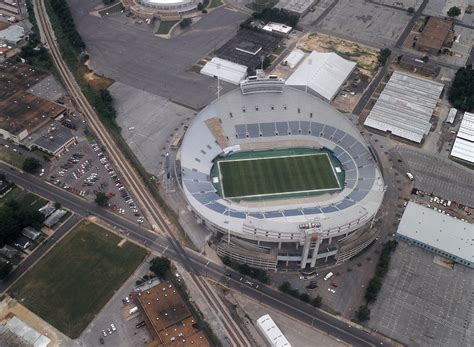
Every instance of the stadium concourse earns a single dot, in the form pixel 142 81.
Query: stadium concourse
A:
pixel 280 177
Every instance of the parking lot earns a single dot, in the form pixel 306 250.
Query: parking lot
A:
pixel 439 176
pixel 85 170
pixel 149 123
pixel 160 66
pixel 366 22
pixel 424 304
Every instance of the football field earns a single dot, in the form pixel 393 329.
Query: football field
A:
pixel 277 175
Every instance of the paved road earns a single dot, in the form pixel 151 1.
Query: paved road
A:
pixel 197 263
pixel 411 23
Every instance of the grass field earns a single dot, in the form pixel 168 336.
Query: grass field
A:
pixel 70 285
pixel 301 173
pixel 166 26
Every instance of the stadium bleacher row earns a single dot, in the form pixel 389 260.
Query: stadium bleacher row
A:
pixel 357 162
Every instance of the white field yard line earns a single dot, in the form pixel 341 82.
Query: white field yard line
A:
pixel 333 171
pixel 282 193
pixel 220 179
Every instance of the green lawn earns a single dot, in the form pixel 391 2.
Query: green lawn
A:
pixel 166 26
pixel 276 175
pixel 33 201
pixel 9 156
pixel 214 3
pixel 70 285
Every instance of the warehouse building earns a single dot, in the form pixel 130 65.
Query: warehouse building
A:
pixel 322 74
pixel 405 106
pixel 438 233
pixel 225 70
pixel 437 34
pixel 271 332
pixel 463 147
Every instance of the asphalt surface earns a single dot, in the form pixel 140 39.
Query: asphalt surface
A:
pixel 196 263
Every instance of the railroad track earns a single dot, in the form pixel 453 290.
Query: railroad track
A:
pixel 151 210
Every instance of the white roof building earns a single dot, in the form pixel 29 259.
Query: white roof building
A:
pixel 438 233
pixel 451 115
pixel 294 58
pixel 463 147
pixel 405 107
pixel 322 74
pixel 278 28
pixel 225 70
pixel 13 34
pixel 272 333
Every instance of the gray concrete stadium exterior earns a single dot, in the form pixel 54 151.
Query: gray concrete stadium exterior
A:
pixel 297 233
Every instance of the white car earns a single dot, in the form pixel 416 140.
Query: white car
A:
pixel 113 327
pixel 331 290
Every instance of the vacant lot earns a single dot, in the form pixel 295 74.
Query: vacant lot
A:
pixel 277 175
pixel 74 281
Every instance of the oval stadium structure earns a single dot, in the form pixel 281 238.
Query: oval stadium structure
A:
pixel 281 177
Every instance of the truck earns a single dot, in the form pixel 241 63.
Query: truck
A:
pixel 410 176
pixel 133 310
pixel 328 276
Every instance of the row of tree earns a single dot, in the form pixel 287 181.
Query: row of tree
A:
pixel 375 284
pixel 244 269
pixel 61 9
pixel 286 288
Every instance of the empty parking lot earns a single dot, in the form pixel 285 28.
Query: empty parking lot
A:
pixel 137 58
pixel 424 304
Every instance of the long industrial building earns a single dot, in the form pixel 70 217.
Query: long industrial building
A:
pixel 463 147
pixel 438 233
pixel 405 107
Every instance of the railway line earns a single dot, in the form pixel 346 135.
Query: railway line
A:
pixel 151 210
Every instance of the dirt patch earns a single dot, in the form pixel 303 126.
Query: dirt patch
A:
pixel 94 81
pixel 365 57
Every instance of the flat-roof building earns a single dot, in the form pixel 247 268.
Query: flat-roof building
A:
pixel 168 317
pixel 225 70
pixel 405 106
pixel 435 35
pixel 438 233
pixel 322 74
pixel 293 59
pixel 53 138
pixel 451 115
pixel 463 147
pixel 31 233
pixel 277 28
pixel 296 7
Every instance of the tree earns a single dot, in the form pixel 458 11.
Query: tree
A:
pixel 411 10
pixel 101 199
pixel 461 94
pixel 363 313
pixel 454 11
pixel 5 269
pixel 31 165
pixel 3 178
pixel 317 301
pixel 384 55
pixel 160 266
pixel 285 287
pixel 185 23
pixel 304 297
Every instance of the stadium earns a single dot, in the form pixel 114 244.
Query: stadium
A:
pixel 157 7
pixel 280 177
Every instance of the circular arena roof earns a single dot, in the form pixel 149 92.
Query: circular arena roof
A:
pixel 287 118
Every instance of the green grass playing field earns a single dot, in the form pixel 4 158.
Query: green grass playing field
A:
pixel 277 175
pixel 71 283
